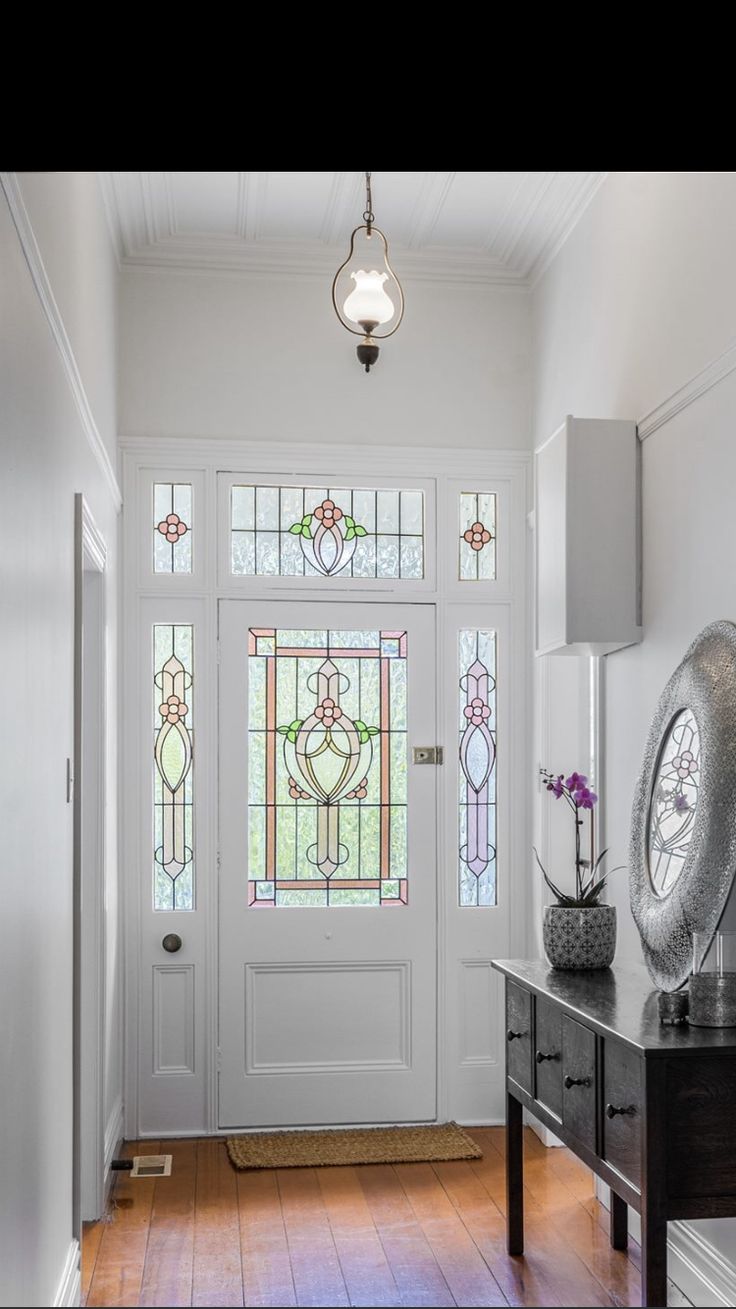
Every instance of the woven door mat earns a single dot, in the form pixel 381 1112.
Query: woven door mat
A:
pixel 355 1145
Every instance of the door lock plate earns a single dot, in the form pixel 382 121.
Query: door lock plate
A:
pixel 427 754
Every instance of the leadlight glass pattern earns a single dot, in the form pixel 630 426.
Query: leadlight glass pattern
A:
pixel 172 527
pixel 310 531
pixel 327 764
pixel 477 770
pixel 477 536
pixel 173 842
pixel 674 802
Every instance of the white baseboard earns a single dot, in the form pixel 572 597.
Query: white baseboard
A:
pixel 113 1137
pixel 546 1137
pixel 70 1284
pixel 700 1271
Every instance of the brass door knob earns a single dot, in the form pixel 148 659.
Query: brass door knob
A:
pixel 171 943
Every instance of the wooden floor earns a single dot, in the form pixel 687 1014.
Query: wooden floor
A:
pixel 411 1234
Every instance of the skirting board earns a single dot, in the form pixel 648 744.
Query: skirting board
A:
pixel 70 1283
pixel 546 1137
pixel 113 1137
pixel 700 1271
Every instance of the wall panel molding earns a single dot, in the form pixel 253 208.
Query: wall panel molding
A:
pixel 704 381
pixel 32 254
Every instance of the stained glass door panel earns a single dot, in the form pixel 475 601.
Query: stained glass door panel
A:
pixel 328 1000
pixel 327 756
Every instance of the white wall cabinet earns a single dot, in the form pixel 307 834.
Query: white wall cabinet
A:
pixel 587 538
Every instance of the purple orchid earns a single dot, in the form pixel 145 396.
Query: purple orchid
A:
pixel 589 882
pixel 576 781
pixel 585 798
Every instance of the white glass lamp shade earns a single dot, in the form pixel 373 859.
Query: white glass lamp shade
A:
pixel 368 303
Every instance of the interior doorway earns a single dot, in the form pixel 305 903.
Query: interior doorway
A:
pixel 87 783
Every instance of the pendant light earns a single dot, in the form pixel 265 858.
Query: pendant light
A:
pixel 375 297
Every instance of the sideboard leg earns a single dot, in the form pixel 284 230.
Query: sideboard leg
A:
pixel 619 1222
pixel 514 1176
pixel 653 1261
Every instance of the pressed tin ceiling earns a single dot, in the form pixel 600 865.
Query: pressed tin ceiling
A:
pixel 465 227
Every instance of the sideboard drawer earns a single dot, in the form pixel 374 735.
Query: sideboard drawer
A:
pixel 622 1110
pixel 548 1055
pixel 519 1035
pixel 579 1081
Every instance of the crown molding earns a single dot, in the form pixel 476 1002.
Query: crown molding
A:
pixel 112 216
pixel 39 276
pixel 564 222
pixel 307 259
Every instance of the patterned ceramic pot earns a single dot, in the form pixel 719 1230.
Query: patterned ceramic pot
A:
pixel 579 938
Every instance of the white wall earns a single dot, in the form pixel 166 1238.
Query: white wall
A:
pixel 639 300
pixel 228 356
pixel 45 458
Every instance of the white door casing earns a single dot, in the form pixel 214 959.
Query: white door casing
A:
pixel 172 1000
pixel 327 1015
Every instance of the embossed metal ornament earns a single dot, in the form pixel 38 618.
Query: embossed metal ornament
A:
pixel 668 910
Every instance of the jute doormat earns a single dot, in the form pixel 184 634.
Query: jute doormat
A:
pixel 355 1145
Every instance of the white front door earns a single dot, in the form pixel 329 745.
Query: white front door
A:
pixel 328 926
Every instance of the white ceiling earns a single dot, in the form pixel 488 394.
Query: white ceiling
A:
pixel 479 227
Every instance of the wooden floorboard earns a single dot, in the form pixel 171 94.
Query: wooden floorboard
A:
pixel 380 1235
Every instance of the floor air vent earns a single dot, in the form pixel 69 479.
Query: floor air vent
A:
pixel 151 1165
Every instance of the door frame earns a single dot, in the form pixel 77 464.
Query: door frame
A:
pixel 195 597
pixel 88 791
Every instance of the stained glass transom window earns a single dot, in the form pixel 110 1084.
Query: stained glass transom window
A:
pixel 172 527
pixel 477 771
pixel 298 531
pixel 477 536
pixel 173 843
pixel 327 763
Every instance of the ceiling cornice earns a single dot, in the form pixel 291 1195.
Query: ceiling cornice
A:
pixel 146 234
pixel 290 259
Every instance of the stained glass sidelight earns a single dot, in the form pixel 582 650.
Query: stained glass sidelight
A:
pixel 477 772
pixel 298 531
pixel 327 760
pixel 477 536
pixel 172 527
pixel 173 858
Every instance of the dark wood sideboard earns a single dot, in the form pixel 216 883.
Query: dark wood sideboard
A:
pixel 651 1109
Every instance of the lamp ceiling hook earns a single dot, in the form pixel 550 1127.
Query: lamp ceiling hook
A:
pixel 368 215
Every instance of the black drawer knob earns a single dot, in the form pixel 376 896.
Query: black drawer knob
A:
pixel 514 1036
pixel 612 1110
pixel 541 1056
pixel 576 1081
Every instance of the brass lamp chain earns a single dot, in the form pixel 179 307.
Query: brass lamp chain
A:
pixel 368 215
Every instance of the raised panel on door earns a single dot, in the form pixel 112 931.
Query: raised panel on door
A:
pixel 327 890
